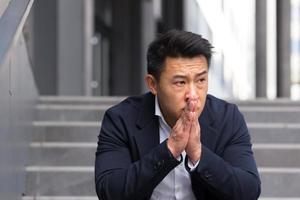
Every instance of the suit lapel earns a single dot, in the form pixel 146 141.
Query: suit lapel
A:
pixel 147 136
pixel 208 132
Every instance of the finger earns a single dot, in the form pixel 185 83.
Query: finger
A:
pixel 178 125
pixel 197 130
pixel 181 129
pixel 185 116
pixel 195 127
pixel 192 117
pixel 187 127
pixel 182 126
pixel 190 110
pixel 192 105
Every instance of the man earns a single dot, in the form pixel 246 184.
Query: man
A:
pixel 176 142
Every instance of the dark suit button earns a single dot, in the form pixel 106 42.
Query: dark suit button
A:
pixel 159 165
pixel 207 175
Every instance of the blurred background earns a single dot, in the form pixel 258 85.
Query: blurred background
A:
pixel 98 47
pixel 63 63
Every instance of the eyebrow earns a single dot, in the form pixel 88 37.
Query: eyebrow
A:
pixel 184 76
pixel 202 73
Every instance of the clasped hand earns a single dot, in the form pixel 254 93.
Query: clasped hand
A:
pixel 185 135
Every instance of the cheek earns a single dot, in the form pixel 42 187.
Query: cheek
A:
pixel 176 104
pixel 176 96
pixel 202 98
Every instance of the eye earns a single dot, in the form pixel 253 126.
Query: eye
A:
pixel 201 80
pixel 179 83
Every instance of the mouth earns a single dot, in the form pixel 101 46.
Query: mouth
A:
pixel 194 110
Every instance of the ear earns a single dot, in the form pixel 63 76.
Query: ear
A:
pixel 151 83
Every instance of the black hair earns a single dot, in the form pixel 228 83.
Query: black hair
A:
pixel 176 43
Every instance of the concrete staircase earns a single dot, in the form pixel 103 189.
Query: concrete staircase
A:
pixel 64 144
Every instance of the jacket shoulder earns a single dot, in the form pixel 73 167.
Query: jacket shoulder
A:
pixel 220 108
pixel 129 107
pixel 129 104
pixel 216 103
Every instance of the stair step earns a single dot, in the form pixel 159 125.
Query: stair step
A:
pixel 288 133
pixel 88 131
pixel 73 100
pixel 96 198
pixel 269 109
pixel 276 182
pixel 71 112
pixel 60 198
pixel 281 198
pixel 262 102
pixel 66 123
pixel 115 99
pixel 277 155
pixel 60 153
pixel 280 182
pixel 79 169
pixel 65 141
pixel 276 146
pixel 60 168
pixel 67 133
pixel 80 153
pixel 55 123
pixel 60 183
pixel 268 116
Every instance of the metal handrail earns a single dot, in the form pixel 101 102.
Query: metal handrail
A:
pixel 11 24
pixel 3 6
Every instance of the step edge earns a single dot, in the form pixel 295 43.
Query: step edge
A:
pixel 63 144
pixel 256 146
pixel 56 123
pixel 96 198
pixel 36 168
pixel 50 123
pixel 59 198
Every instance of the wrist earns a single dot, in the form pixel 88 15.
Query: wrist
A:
pixel 170 147
pixel 195 157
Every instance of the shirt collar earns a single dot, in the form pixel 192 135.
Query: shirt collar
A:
pixel 157 108
pixel 158 112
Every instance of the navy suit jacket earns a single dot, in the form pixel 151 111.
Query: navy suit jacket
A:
pixel 130 161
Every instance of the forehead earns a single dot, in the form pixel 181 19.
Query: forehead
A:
pixel 182 64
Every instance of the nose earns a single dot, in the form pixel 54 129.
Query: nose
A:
pixel 191 94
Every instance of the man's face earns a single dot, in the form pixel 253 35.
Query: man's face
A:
pixel 182 80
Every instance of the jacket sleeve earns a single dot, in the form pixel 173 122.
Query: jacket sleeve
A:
pixel 117 176
pixel 232 174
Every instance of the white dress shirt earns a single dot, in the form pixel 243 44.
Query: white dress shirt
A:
pixel 177 184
